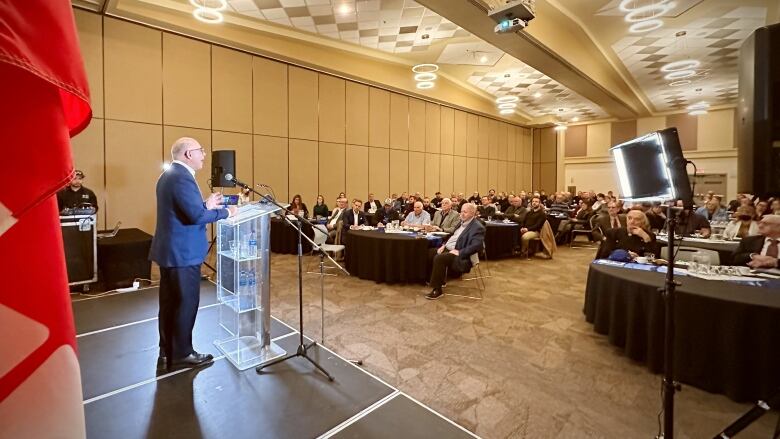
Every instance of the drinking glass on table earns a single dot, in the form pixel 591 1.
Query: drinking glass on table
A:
pixel 702 262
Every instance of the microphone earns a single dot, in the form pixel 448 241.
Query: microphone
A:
pixel 229 177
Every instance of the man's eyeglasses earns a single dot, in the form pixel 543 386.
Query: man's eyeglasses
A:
pixel 202 151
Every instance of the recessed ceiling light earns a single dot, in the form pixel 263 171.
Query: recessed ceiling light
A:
pixel 425 68
pixel 425 76
pixel 697 112
pixel 483 59
pixel 537 95
pixel 344 8
pixel 679 74
pixel 645 26
pixel 649 11
pixel 506 99
pixel 506 105
pixel 687 64
pixel 506 111
pixel 679 83
pixel 206 15
pixel 699 106
pixel 575 119
pixel 425 85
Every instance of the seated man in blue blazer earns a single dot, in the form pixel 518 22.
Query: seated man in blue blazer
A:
pixel 352 218
pixel 179 247
pixel 456 253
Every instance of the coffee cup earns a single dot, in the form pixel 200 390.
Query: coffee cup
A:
pixel 641 260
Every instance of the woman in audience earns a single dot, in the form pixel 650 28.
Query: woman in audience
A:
pixel 761 210
pixel 636 238
pixel 320 208
pixel 743 224
pixel 774 205
pixel 298 207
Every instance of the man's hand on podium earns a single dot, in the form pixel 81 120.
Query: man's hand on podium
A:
pixel 232 210
pixel 214 201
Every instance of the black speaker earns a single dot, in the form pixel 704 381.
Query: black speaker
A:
pixel 758 148
pixel 223 162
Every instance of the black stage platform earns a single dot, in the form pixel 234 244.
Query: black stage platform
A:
pixel 124 397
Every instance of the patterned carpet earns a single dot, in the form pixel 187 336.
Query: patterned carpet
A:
pixel 522 363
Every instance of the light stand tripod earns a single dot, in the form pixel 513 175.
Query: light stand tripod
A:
pixel 753 414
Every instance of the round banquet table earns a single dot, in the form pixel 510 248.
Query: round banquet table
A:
pixel 284 237
pixel 727 336
pixel 388 257
pixel 725 249
pixel 500 238
pixel 555 221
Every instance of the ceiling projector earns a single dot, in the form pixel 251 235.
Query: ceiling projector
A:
pixel 513 16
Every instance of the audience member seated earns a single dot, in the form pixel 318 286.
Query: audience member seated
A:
pixel 417 217
pixel 410 205
pixel 743 224
pixel 437 199
pixel 503 201
pixel 428 207
pixel 486 210
pixel 387 215
pixel 455 254
pixel 475 198
pixel 581 219
pixel 712 210
pixel 298 207
pixel 402 201
pixel 636 238
pixel 320 208
pixel 657 217
pixel 739 201
pixel 516 211
pixel 760 251
pixel 598 203
pixel 446 219
pixel 774 206
pixel 372 205
pixel 691 222
pixel 353 218
pixel 761 210
pixel 532 224
pixel 461 201
pixel 492 195
pixel 334 221
pixel 612 219
pixel 559 207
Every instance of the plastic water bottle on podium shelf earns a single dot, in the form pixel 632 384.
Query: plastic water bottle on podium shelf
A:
pixel 251 281
pixel 252 245
pixel 242 281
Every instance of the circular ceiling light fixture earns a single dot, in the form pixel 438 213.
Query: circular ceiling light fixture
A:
pixel 648 12
pixel 214 5
pixel 206 15
pixel 624 5
pixel 537 95
pixel 425 68
pixel 679 83
pixel 344 9
pixel 697 112
pixel 699 106
pixel 645 26
pixel 679 74
pixel 425 85
pixel 506 111
pixel 506 105
pixel 483 59
pixel 425 76
pixel 560 127
pixel 675 66
pixel 506 99
pixel 575 119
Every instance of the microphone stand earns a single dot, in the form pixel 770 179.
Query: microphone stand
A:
pixel 302 350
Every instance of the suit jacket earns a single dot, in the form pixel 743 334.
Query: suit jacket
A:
pixel 449 223
pixel 338 215
pixel 385 217
pixel 604 224
pixel 486 211
pixel 180 237
pixel 516 214
pixel 348 218
pixel 751 244
pixel 367 205
pixel 620 239
pixel 469 242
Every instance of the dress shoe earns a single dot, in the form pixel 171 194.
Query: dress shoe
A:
pixel 434 294
pixel 192 360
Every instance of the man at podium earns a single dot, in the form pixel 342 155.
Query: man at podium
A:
pixel 179 247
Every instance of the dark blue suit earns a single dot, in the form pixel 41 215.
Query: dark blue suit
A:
pixel 179 247
pixel 470 241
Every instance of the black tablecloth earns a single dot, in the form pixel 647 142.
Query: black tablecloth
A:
pixel 500 239
pixel 387 257
pixel 555 221
pixel 727 334
pixel 725 249
pixel 284 237
pixel 123 258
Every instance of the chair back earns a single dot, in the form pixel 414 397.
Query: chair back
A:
pixel 687 253
pixel 474 259
pixel 319 235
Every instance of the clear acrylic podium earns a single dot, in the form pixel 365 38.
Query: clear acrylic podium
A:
pixel 244 287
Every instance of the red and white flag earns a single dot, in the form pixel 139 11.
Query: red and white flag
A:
pixel 44 100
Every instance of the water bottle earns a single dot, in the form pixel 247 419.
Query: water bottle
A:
pixel 252 245
pixel 252 281
pixel 242 281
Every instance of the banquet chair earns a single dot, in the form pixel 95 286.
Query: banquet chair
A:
pixel 320 236
pixel 480 271
pixel 584 231
pixel 686 254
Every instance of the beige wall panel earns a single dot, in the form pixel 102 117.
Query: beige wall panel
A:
pixel 485 126
pixel 416 172
pixel 501 180
pixel 687 127
pixel 622 132
pixel 241 143
pixel 483 176
pixel 461 130
pixel 598 139
pixel 302 101
pixel 231 88
pixel 88 156
pixel 379 118
pixel 547 177
pixel 550 144
pixel 134 158
pixel 495 126
pixel 519 178
pixel 271 165
pixel 269 97
pixel 575 141
pixel 416 125
pixel 133 72
pixel 90 29
pixel 511 177
pixel 472 136
pixel 432 174
pixel 447 130
pixel 472 172
pixel 332 109
pixel 645 125
pixel 493 175
pixel 528 145
pixel 357 113
pixel 186 68
pixel 172 133
pixel 357 173
pixel 399 121
pixel 399 171
pixel 446 184
pixel 503 134
pixel 528 176
pixel 511 146
pixel 303 172
pixel 432 127
pixel 379 171
pixel 459 175
pixel 716 130
pixel 332 172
